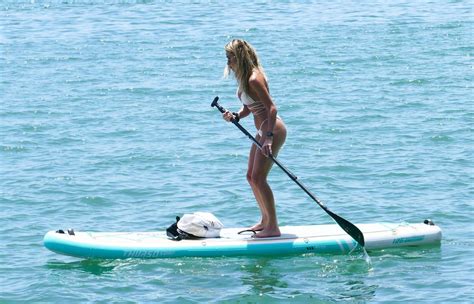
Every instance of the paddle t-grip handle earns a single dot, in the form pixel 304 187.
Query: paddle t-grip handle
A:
pixel 217 105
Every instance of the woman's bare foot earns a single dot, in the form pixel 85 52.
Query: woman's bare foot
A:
pixel 257 227
pixel 268 233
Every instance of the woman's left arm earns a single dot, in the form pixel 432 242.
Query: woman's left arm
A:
pixel 257 83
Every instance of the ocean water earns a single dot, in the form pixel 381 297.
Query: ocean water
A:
pixel 106 125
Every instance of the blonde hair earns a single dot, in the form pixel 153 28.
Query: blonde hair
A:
pixel 247 61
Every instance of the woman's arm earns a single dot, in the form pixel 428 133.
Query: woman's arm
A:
pixel 243 112
pixel 258 84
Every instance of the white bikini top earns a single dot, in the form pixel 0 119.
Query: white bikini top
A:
pixel 255 106
pixel 245 98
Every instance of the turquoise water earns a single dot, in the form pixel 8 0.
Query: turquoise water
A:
pixel 105 125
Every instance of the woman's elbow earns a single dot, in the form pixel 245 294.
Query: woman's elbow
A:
pixel 273 110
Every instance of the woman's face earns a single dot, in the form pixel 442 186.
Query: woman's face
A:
pixel 231 60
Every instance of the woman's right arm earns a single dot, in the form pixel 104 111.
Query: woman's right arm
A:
pixel 243 112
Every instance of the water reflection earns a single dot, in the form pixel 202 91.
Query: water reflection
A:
pixel 262 276
pixel 95 267
pixel 309 278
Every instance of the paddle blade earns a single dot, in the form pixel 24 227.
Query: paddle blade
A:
pixel 348 227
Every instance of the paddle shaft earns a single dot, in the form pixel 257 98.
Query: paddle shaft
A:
pixel 347 226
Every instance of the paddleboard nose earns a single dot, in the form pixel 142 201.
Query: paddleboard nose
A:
pixel 70 231
pixel 429 222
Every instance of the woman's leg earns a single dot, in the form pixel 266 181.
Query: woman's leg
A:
pixel 260 169
pixel 253 151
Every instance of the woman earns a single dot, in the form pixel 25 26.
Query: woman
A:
pixel 254 94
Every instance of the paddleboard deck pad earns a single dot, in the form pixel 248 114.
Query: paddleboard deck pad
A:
pixel 293 240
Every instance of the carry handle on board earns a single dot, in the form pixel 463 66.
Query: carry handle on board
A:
pixel 347 226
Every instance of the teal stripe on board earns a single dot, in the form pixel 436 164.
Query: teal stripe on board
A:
pixel 105 125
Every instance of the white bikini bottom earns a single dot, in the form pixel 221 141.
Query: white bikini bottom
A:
pixel 260 132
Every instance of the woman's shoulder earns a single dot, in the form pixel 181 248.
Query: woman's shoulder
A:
pixel 257 78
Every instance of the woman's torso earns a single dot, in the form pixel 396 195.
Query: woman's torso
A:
pixel 258 109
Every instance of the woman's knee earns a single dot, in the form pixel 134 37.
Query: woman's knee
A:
pixel 257 179
pixel 249 178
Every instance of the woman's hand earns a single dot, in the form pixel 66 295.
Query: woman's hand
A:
pixel 267 146
pixel 228 116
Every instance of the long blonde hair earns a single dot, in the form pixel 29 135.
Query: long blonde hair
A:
pixel 247 61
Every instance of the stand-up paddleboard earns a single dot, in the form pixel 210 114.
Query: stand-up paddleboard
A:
pixel 293 240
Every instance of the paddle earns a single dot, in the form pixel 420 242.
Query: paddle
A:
pixel 347 226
